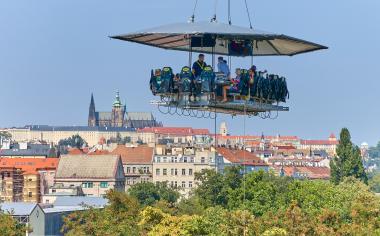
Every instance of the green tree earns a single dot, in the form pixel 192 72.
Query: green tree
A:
pixel 374 152
pixel 215 186
pixel 149 193
pixel 120 217
pixel 5 135
pixel 348 160
pixel 73 141
pixel 9 226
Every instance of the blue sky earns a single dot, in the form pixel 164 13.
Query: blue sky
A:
pixel 53 54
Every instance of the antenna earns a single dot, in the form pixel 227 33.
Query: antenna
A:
pixel 192 18
pixel 229 12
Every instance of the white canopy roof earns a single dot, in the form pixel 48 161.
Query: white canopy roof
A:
pixel 177 37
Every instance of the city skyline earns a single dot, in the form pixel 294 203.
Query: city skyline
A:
pixel 70 56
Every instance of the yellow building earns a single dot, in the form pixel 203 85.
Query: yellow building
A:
pixel 31 191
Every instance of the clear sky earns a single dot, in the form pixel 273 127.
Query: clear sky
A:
pixel 53 54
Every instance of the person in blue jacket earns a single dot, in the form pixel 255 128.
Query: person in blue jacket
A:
pixel 199 65
pixel 223 67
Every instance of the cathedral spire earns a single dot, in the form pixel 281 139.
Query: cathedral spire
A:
pixel 117 102
pixel 91 112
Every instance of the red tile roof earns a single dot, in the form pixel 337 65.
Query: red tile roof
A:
pixel 256 137
pixel 319 142
pixel 175 130
pixel 29 165
pixel 311 172
pixel 99 152
pixel 282 147
pixel 75 151
pixel 240 156
pixel 134 155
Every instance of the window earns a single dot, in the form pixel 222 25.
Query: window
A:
pixel 175 172
pixel 133 170
pixel 183 184
pixel 175 184
pixel 183 171
pixel 175 159
pixel 202 160
pixel 164 172
pixel 30 194
pixel 190 184
pixel 185 159
pixel 190 171
pixel 191 159
pixel 104 184
pixel 157 171
pixel 128 170
pixel 87 185
pixel 147 170
pixel 158 159
pixel 164 159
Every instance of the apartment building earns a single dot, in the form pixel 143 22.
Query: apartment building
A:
pixel 177 166
pixel 11 184
pixel 137 163
pixel 26 179
pixel 235 157
pixel 96 174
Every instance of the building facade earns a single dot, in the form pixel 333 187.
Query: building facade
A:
pixel 24 179
pixel 137 163
pixel 96 174
pixel 92 135
pixel 177 166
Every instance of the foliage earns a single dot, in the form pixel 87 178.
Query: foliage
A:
pixel 374 182
pixel 119 140
pixel 258 203
pixel 149 193
pixel 348 161
pixel 119 218
pixel 9 226
pixel 73 141
pixel 5 135
pixel 374 152
pixel 215 186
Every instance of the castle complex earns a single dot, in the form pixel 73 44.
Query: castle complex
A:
pixel 119 117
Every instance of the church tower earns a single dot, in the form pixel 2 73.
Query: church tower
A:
pixel 118 112
pixel 91 113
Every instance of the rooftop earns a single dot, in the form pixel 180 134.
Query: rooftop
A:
pixel 240 156
pixel 90 167
pixel 18 208
pixel 29 165
pixel 185 131
pixel 134 155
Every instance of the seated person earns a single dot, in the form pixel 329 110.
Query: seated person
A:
pixel 234 87
pixel 155 81
pixel 223 67
pixel 199 66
